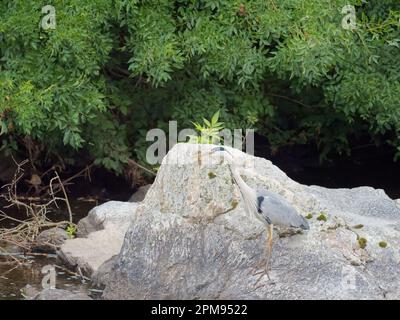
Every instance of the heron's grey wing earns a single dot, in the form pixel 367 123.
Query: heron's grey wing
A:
pixel 277 210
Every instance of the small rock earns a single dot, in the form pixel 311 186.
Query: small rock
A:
pixel 60 294
pixel 50 240
pixel 107 224
pixel 100 277
pixel 88 254
pixel 140 194
pixel 112 212
pixel 29 292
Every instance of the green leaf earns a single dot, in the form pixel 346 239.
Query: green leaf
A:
pixel 214 119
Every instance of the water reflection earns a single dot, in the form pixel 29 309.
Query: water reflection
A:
pixel 14 277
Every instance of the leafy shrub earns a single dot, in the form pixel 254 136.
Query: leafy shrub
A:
pixel 113 69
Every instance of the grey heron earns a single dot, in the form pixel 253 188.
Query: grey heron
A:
pixel 268 207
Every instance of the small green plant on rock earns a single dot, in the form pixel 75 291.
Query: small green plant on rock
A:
pixel 71 231
pixel 309 216
pixel 209 131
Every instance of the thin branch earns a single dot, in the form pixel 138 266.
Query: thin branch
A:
pixel 24 234
pixel 57 177
pixel 291 100
pixel 73 273
pixel 85 171
pixel 135 164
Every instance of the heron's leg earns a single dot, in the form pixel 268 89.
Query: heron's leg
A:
pixel 268 247
pixel 261 265
pixel 270 244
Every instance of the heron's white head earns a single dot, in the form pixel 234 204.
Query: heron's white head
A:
pixel 226 156
pixel 225 153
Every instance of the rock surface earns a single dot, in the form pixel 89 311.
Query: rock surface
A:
pixel 191 238
pixel 104 229
pixel 140 194
pixel 102 274
pixel 30 292
pixel 50 240
pixel 109 213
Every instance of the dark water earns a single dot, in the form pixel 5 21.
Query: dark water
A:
pixel 13 277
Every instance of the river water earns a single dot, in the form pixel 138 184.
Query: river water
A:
pixel 14 276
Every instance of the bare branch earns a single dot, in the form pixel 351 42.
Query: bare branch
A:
pixel 25 232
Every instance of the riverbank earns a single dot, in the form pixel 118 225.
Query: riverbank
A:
pixel 24 268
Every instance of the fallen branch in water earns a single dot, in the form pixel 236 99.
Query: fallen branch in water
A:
pixel 12 257
pixel 79 274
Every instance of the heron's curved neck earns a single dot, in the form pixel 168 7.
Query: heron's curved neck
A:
pixel 248 194
pixel 239 180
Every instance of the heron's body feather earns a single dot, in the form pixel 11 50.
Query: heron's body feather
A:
pixel 275 209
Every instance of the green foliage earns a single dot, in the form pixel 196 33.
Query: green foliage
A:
pixel 71 231
pixel 209 132
pixel 113 69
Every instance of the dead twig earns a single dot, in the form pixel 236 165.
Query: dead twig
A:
pixel 135 164
pixel 73 273
pixel 62 183
pixel 26 230
pixel 65 199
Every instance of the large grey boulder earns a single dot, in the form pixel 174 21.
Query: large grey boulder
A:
pixel 101 236
pixel 191 238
